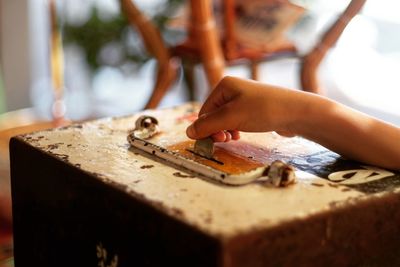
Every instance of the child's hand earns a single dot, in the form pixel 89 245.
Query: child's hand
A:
pixel 243 105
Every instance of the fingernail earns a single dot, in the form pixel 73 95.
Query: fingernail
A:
pixel 190 131
pixel 228 136
pixel 203 115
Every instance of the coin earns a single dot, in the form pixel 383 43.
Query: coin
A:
pixel 204 147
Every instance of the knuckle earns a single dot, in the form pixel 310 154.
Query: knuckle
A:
pixel 196 128
pixel 225 82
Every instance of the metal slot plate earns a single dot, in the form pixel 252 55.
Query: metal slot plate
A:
pixel 234 163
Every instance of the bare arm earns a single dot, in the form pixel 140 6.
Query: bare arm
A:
pixel 350 133
pixel 243 105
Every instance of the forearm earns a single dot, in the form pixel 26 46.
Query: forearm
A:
pixel 349 132
pixel 243 105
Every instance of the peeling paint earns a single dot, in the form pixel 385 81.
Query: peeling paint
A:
pixel 101 149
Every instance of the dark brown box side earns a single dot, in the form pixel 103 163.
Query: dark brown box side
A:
pixel 359 234
pixel 64 216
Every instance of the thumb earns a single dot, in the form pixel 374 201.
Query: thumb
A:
pixel 210 123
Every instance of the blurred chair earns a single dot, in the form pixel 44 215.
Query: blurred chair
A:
pixel 311 61
pixel 204 45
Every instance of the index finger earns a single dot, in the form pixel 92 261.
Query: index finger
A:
pixel 222 94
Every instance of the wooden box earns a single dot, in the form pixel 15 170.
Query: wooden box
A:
pixel 83 197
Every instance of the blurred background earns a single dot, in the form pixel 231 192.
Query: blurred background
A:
pixel 107 71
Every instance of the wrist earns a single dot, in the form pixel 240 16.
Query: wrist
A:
pixel 309 111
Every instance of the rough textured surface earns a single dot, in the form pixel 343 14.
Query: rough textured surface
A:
pixel 236 226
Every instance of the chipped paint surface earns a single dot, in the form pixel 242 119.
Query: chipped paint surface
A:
pixel 100 147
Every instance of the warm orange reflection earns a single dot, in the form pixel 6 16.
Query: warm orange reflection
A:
pixel 233 163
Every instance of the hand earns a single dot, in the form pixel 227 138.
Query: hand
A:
pixel 244 105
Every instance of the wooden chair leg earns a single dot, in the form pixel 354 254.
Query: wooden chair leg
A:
pixel 311 62
pixel 188 76
pixel 155 45
pixel 166 75
pixel 308 73
pixel 204 29
pixel 254 70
